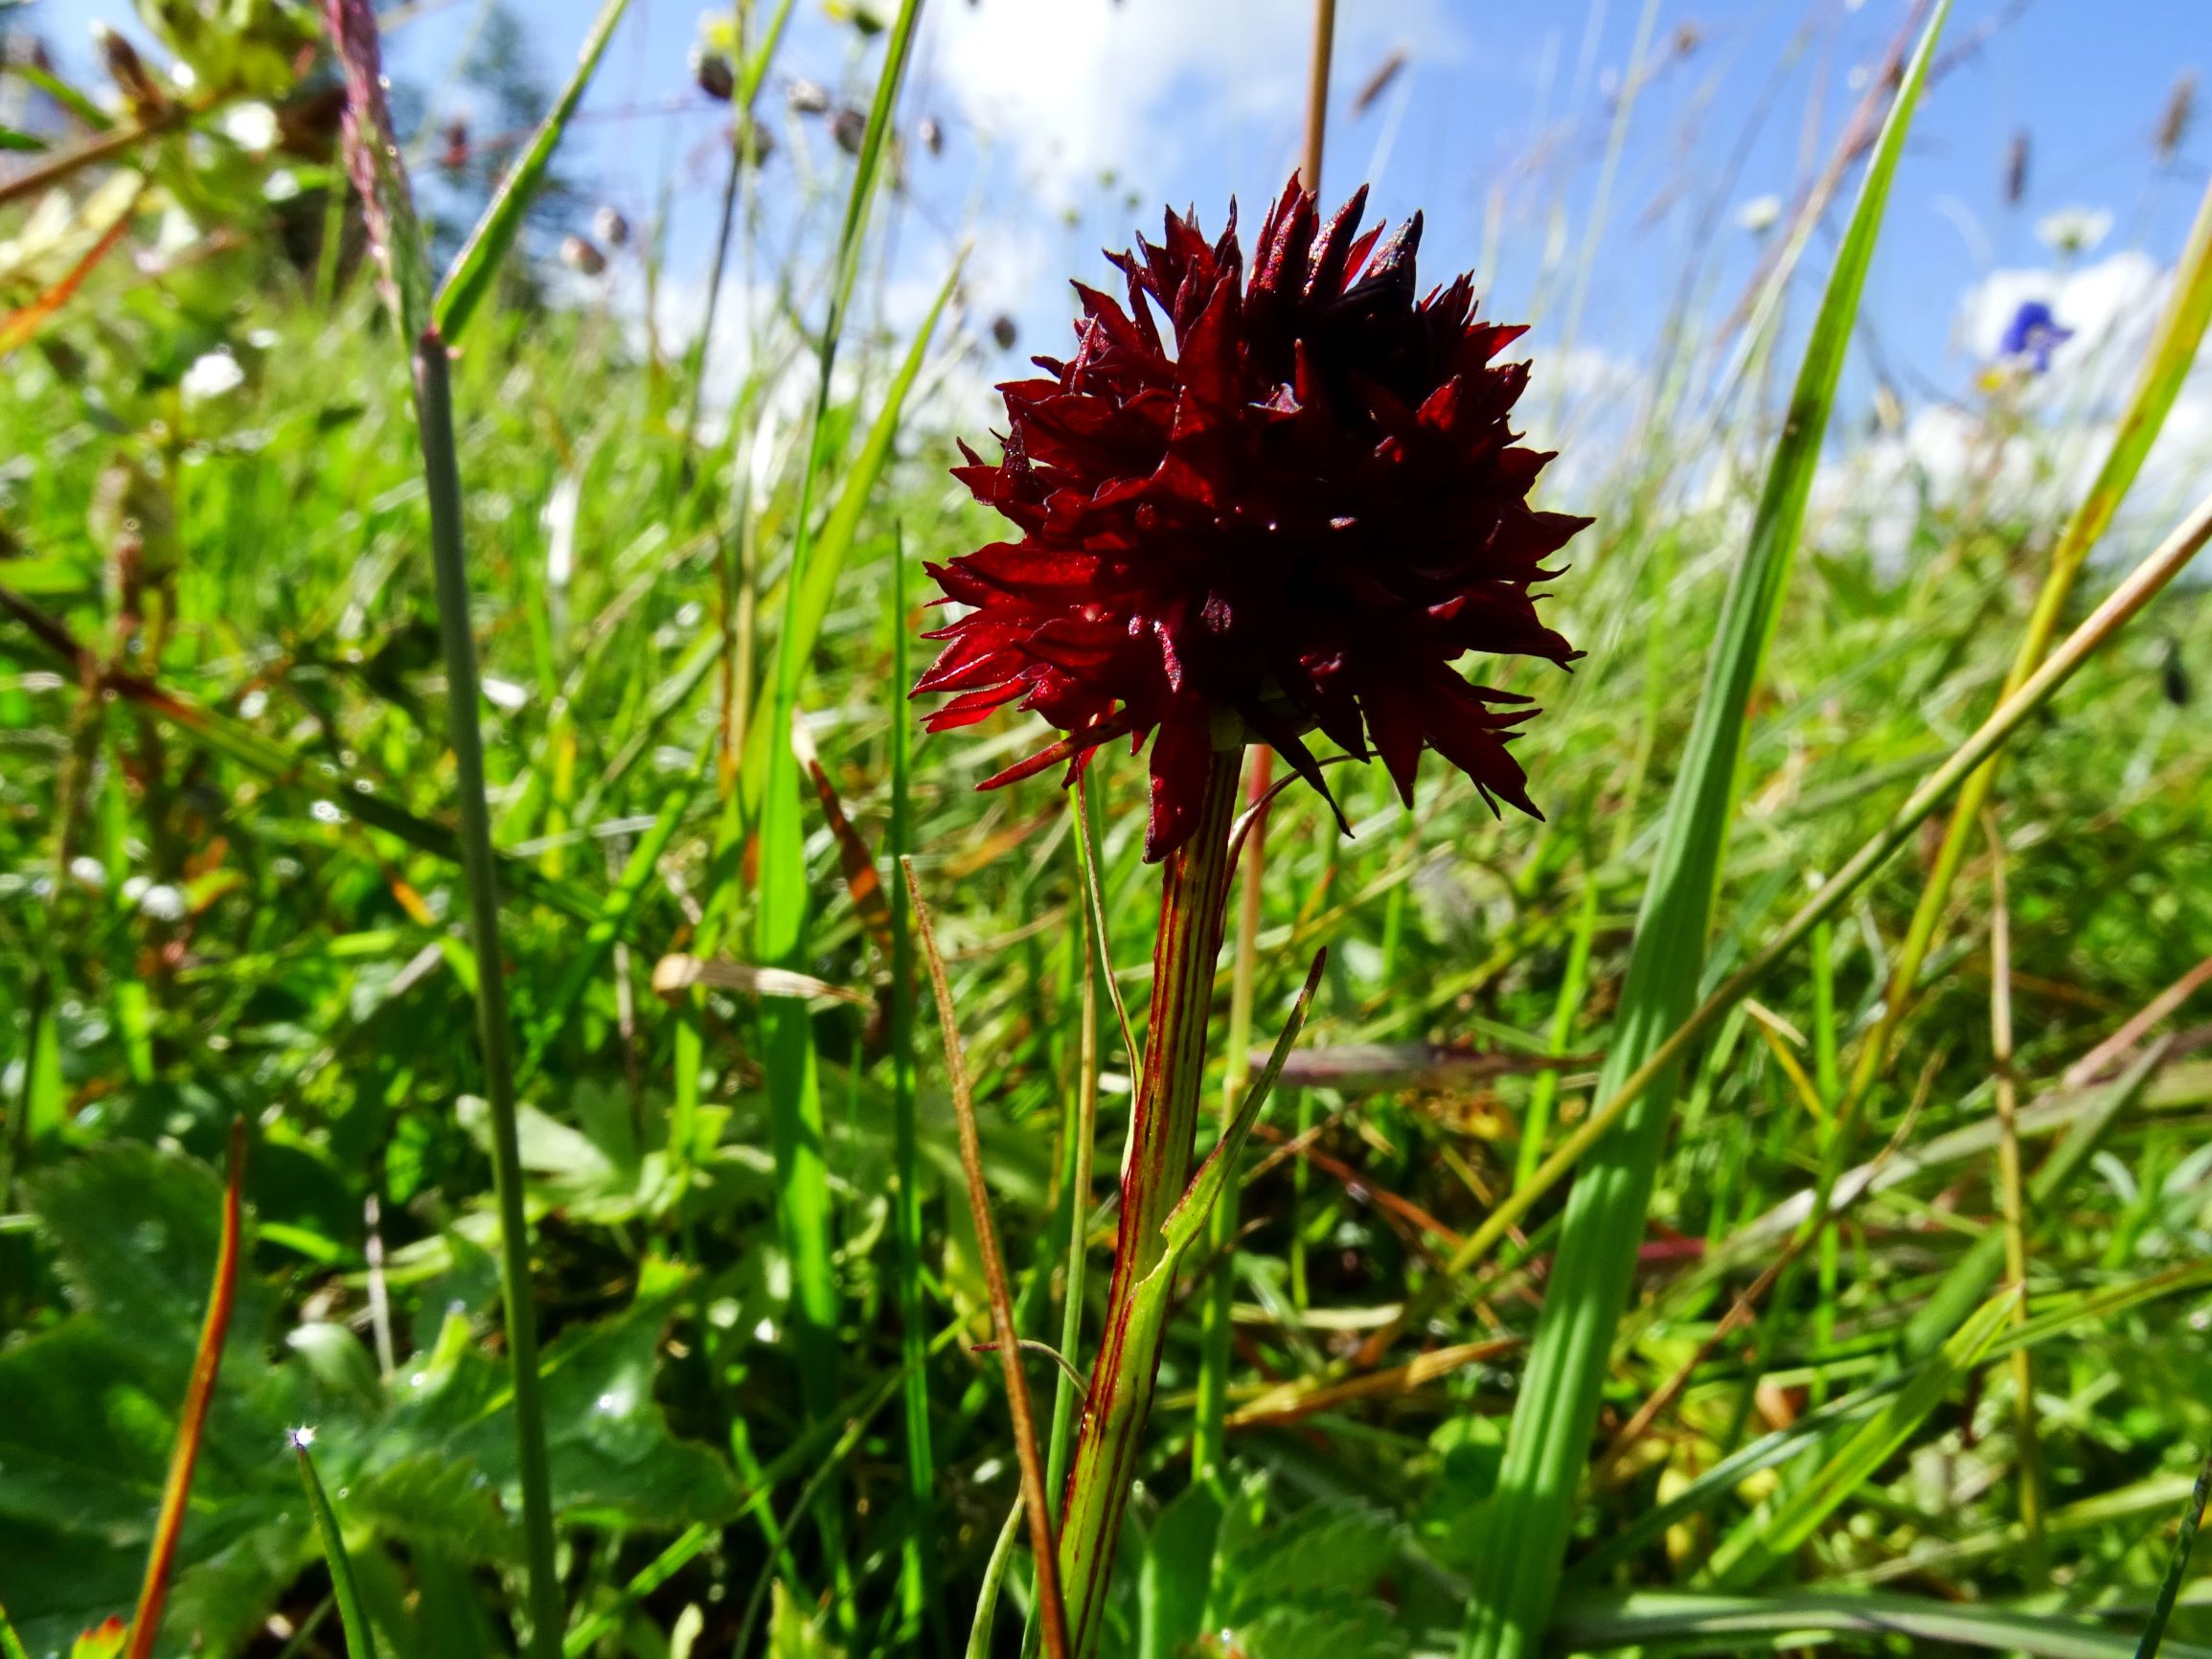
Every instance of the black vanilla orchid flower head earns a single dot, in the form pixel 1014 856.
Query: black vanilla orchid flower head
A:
pixel 1293 504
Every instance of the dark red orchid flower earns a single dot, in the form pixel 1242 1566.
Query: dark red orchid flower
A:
pixel 1300 518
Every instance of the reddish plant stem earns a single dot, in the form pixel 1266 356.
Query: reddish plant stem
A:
pixel 1194 902
pixel 191 1423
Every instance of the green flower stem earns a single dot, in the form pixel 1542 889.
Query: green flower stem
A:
pixel 1209 1439
pixel 434 415
pixel 1194 902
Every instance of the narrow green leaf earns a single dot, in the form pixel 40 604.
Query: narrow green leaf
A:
pixel 83 108
pixel 360 1640
pixel 1659 1620
pixel 1547 1446
pixel 918 1567
pixel 1177 1573
pixel 477 263
pixel 2176 1566
pixel 795 1123
pixel 12 140
pixel 827 551
pixel 1774 1532
pixel 11 1645
pixel 994 1575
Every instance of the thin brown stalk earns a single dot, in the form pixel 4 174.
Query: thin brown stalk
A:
pixel 191 1423
pixel 1280 1407
pixel 1353 1180
pixel 1031 1344
pixel 1317 94
pixel 1033 1489
pixel 2011 1206
pixel 20 327
pixel 104 146
pixel 2108 1054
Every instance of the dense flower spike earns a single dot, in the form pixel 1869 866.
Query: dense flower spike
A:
pixel 1299 517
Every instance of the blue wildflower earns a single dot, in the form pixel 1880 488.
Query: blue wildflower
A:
pixel 2034 333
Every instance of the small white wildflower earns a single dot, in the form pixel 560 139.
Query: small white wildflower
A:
pixel 211 375
pixel 280 185
pixel 90 871
pixel 2075 230
pixel 251 126
pixel 504 694
pixel 1760 215
pixel 559 521
pixel 161 902
pixel 177 232
pixel 301 1438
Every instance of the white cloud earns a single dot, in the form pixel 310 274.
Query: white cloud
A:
pixel 1077 90
pixel 2037 469
pixel 2111 306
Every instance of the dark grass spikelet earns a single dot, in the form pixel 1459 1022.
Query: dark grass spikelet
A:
pixel 1295 505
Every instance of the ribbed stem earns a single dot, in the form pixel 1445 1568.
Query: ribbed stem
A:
pixel 1209 1434
pixel 1193 901
pixel 434 415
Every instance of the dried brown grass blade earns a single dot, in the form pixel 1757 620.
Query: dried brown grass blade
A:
pixel 1035 1498
pixel 199 1393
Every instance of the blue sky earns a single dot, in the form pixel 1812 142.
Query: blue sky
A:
pixel 1058 112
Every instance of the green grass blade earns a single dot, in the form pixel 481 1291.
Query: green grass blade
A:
pixel 994 1575
pixel 1772 1535
pixel 11 1644
pixel 827 549
pixel 1663 1622
pixel 1544 1091
pixel 2176 1567
pixel 795 1107
pixel 477 264
pixel 494 1027
pixel 917 1564
pixel 360 1640
pixel 796 1129
pixel 1548 1444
